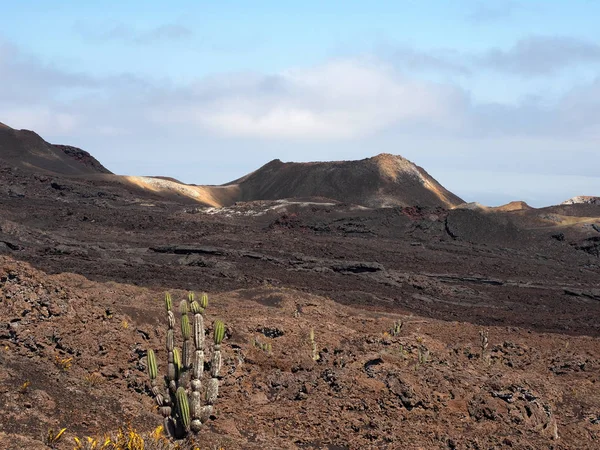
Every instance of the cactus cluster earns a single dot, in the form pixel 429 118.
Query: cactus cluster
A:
pixel 182 406
pixel 395 330
pixel 265 347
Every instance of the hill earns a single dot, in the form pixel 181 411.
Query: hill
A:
pixel 382 181
pixel 27 150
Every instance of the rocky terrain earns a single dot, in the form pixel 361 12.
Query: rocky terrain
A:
pixel 582 199
pixel 87 259
pixel 367 390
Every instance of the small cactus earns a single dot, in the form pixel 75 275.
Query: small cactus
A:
pixel 395 331
pixel 195 307
pixel 204 301
pixel 182 407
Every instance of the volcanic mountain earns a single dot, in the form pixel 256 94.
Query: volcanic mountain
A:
pixel 381 181
pixel 27 150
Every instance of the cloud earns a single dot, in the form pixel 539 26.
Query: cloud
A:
pixel 25 79
pixel 541 55
pixel 340 99
pixel 126 33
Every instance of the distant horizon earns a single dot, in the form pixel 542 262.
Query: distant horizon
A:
pixel 204 92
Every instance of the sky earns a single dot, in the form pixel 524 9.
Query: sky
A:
pixel 499 100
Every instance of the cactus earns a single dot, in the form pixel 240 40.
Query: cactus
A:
pixel 177 362
pixel 168 302
pixel 181 406
pixel 395 331
pixel 152 370
pixel 219 332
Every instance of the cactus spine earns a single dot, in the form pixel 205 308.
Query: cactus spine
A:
pixel 182 408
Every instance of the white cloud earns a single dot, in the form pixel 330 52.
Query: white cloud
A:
pixel 340 99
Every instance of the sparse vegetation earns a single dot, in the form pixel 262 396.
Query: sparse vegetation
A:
pixel 52 438
pixel 63 364
pixel 93 379
pixel 395 330
pixel 182 407
pixel 24 388
pixel 128 438
pixel 264 346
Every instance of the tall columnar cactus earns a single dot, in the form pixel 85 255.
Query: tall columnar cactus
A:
pixel 182 407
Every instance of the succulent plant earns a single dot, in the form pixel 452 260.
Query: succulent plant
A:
pixel 152 369
pixel 181 406
pixel 395 331
pixel 168 302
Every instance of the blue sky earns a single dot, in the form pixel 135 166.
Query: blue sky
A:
pixel 499 100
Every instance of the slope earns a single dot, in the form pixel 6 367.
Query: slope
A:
pixel 27 150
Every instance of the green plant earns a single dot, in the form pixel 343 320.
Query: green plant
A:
pixel 265 347
pixel 182 407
